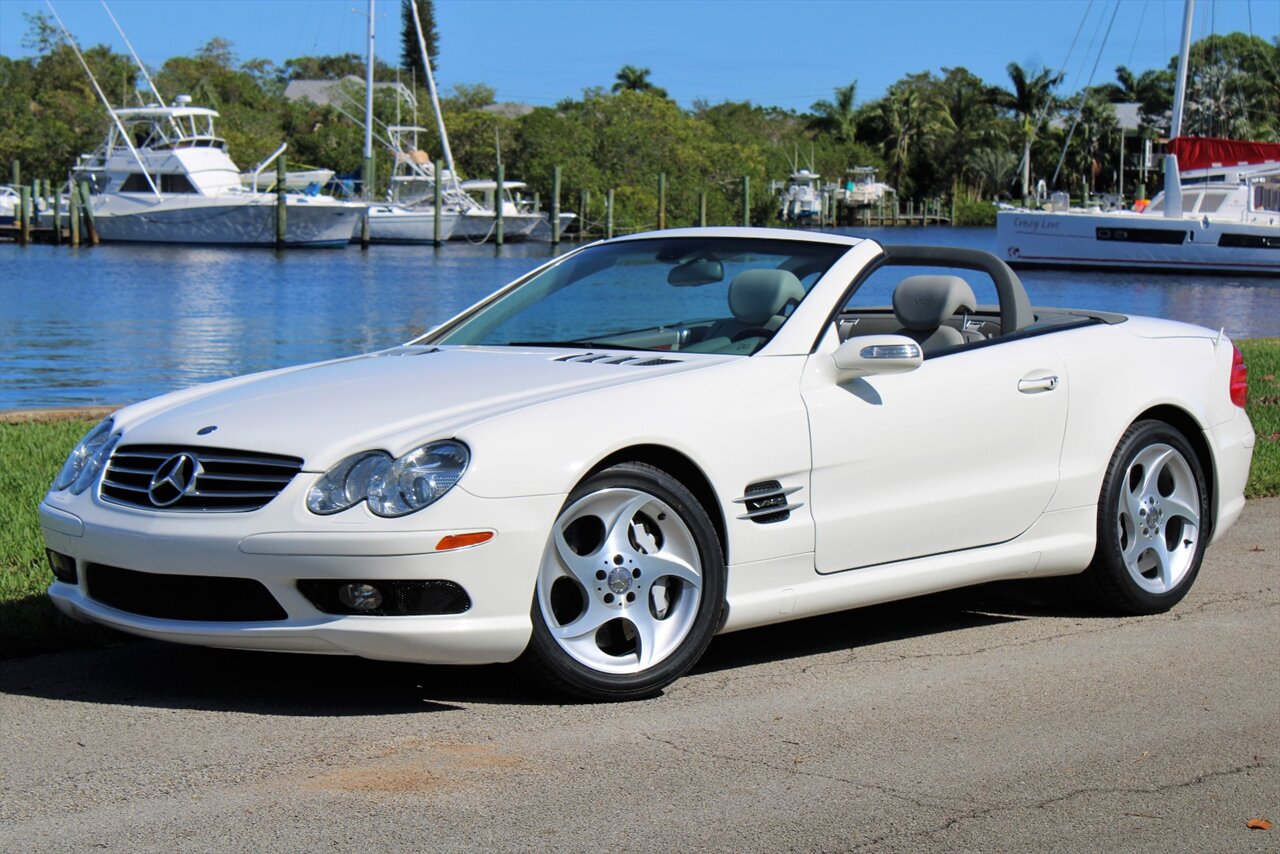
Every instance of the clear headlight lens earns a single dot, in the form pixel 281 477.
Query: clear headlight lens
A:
pixel 86 459
pixel 391 487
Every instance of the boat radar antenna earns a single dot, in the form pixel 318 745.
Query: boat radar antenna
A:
pixel 134 54
pixel 435 98
pixel 114 118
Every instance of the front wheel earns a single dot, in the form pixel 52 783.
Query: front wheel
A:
pixel 630 589
pixel 1153 520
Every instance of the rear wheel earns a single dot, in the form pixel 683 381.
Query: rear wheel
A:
pixel 1152 522
pixel 631 586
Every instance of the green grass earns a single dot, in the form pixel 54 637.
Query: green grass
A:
pixel 30 456
pixel 1262 355
pixel 32 453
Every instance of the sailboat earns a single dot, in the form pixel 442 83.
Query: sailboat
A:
pixel 1219 211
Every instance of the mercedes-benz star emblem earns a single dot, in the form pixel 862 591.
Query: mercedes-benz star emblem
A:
pixel 175 478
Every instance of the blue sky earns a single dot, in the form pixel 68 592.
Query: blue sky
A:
pixel 787 54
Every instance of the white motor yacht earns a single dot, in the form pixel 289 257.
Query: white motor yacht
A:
pixel 163 175
pixel 478 222
pixel 862 189
pixel 801 202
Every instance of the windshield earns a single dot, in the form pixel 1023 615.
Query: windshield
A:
pixel 696 294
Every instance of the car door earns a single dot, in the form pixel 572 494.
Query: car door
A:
pixel 960 453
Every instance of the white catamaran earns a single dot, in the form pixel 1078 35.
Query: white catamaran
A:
pixel 1219 211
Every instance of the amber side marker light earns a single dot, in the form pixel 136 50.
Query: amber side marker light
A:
pixel 461 541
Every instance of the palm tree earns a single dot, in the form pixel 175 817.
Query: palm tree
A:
pixel 632 79
pixel 837 117
pixel 1031 100
pixel 908 116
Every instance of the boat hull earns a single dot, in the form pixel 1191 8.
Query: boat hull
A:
pixel 205 221
pixel 479 227
pixel 1126 240
pixel 401 225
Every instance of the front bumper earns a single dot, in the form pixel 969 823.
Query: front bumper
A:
pixel 282 543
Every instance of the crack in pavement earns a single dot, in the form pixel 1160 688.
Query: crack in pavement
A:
pixel 1011 806
pixel 969 809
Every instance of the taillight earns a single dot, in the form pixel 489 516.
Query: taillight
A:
pixel 1239 379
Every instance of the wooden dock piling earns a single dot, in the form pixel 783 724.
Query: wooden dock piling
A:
pixel 90 225
pixel 584 202
pixel 746 200
pixel 662 200
pixel 74 209
pixel 608 214
pixel 24 216
pixel 702 210
pixel 555 206
pixel 498 227
pixel 282 181
pixel 437 193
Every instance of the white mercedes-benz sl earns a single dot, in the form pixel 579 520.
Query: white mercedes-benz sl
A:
pixel 655 439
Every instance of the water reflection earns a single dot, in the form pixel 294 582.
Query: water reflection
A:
pixel 115 324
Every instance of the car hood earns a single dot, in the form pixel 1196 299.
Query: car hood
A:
pixel 392 400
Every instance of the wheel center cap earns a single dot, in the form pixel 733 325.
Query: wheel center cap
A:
pixel 619 580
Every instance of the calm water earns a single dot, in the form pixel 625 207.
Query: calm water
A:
pixel 116 324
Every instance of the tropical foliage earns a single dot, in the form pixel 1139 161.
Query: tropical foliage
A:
pixel 932 134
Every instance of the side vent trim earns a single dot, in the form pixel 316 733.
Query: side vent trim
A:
pixel 766 502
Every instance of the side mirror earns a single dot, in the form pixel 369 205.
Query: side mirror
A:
pixel 868 355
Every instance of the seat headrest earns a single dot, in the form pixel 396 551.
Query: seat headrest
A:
pixel 924 302
pixel 755 296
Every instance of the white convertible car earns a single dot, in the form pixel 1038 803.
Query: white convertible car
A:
pixel 655 439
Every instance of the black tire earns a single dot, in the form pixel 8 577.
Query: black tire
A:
pixel 1149 547
pixel 676 531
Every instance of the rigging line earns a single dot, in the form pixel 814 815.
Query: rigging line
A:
pixel 1084 59
pixel 134 54
pixel 1084 93
pixel 1137 33
pixel 1062 71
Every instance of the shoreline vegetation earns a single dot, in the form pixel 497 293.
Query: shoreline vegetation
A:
pixel 34 443
pixel 934 134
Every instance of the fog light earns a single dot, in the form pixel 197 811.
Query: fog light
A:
pixel 360 597
pixel 63 566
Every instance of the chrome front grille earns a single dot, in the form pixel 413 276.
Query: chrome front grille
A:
pixel 174 477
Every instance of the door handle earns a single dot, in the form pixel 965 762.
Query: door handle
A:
pixel 1037 385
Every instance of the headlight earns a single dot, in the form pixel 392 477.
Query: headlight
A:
pixel 391 487
pixel 84 463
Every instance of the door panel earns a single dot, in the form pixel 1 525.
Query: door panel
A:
pixel 960 453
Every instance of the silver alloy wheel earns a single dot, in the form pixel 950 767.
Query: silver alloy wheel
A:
pixel 621 581
pixel 1158 518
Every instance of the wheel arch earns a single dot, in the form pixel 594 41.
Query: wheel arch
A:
pixel 683 469
pixel 1185 423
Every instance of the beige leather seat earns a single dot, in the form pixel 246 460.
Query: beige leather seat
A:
pixel 758 300
pixel 923 304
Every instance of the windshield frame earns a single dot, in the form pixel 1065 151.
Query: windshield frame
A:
pixel 813 259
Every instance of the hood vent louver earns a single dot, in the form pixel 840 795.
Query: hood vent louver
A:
pixel 766 502
pixel 611 359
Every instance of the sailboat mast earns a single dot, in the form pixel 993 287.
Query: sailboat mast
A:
pixel 435 98
pixel 1184 54
pixel 367 178
pixel 1172 179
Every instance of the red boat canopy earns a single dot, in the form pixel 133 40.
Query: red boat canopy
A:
pixel 1196 152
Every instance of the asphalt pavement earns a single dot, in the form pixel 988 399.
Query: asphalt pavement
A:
pixel 1004 718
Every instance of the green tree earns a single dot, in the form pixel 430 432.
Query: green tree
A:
pixel 410 54
pixel 909 115
pixel 632 79
pixel 1031 100
pixel 837 117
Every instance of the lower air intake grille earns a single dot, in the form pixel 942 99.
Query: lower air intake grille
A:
pixel 182 597
pixel 173 477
